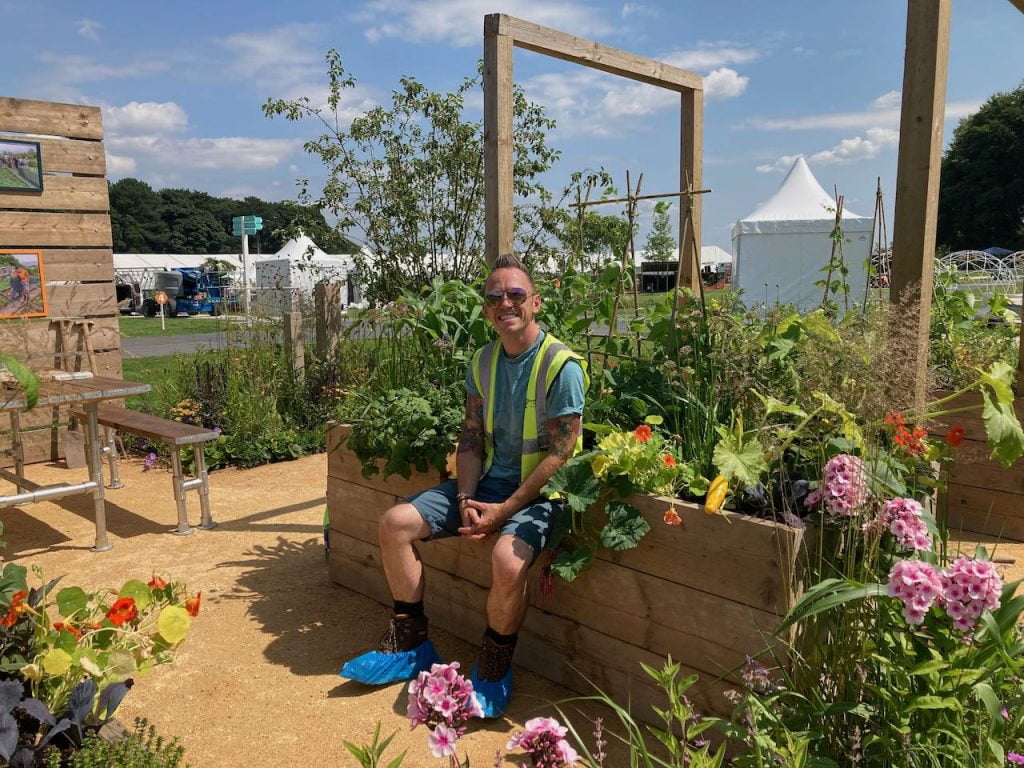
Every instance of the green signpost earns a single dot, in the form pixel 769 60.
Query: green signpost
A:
pixel 243 226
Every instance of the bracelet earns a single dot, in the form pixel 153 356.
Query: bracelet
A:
pixel 461 497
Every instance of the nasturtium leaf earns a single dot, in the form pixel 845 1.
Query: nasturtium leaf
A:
pixel 138 591
pixel 1003 430
pixel 173 624
pixel 71 600
pixel 56 662
pixel 120 665
pixel 575 482
pixel 88 662
pixel 654 420
pixel 626 526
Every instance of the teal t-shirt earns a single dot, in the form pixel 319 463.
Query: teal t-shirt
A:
pixel 511 382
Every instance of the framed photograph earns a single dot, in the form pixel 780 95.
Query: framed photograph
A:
pixel 22 285
pixel 21 166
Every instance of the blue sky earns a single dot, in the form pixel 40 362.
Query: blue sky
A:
pixel 182 84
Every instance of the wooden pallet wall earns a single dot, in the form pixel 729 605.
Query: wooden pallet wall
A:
pixel 69 221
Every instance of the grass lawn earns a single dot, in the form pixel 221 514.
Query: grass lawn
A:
pixel 175 326
pixel 159 372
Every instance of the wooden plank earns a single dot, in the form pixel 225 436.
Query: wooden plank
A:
pixel 155 428
pixel 343 465
pixel 27 230
pixel 983 510
pixel 80 265
pixel 499 225
pixel 578 50
pixel 49 118
pixel 82 299
pixel 83 158
pixel 925 69
pixel 549 645
pixel 61 193
pixel 691 152
pixel 39 338
pixel 988 474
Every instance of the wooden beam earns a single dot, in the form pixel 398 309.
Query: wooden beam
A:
pixel 499 230
pixel 691 151
pixel 47 118
pixel 925 69
pixel 578 50
pixel 1018 4
pixel 81 158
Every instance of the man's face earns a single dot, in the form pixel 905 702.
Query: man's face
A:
pixel 507 316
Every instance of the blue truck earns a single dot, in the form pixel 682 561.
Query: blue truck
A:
pixel 190 290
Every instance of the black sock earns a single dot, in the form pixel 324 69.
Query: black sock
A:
pixel 500 639
pixel 413 610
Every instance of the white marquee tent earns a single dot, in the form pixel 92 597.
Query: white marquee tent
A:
pixel 286 279
pixel 786 241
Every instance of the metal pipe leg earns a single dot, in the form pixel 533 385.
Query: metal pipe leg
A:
pixel 178 481
pixel 115 478
pixel 18 449
pixel 206 522
pixel 94 458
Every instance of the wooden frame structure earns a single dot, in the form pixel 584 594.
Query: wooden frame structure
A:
pixel 925 69
pixel 502 33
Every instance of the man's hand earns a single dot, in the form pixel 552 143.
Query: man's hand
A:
pixel 480 519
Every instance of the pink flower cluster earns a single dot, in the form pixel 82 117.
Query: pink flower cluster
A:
pixel 971 587
pixel 544 741
pixel 844 488
pixel 903 519
pixel 965 590
pixel 442 700
pixel 918 584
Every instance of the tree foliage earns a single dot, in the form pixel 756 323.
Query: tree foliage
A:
pixel 981 201
pixel 144 220
pixel 409 179
pixel 588 239
pixel 661 244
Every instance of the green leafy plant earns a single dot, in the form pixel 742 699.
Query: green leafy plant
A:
pixel 141 747
pixel 370 755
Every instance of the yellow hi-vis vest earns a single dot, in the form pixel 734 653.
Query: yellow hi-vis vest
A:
pixel 550 359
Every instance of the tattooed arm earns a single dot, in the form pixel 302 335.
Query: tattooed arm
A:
pixel 469 461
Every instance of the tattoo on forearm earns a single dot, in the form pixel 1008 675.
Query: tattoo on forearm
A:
pixel 563 432
pixel 472 438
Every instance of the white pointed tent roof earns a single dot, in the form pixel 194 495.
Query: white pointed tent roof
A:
pixel 800 203
pixel 299 248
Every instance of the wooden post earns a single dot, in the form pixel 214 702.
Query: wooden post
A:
pixel 498 219
pixel 691 142
pixel 291 327
pixel 327 305
pixel 917 181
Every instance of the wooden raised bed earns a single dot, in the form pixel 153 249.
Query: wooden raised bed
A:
pixel 982 496
pixel 708 592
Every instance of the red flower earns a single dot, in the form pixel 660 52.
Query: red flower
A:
pixel 122 610
pixel 60 625
pixel 192 604
pixel 669 459
pixel 157 583
pixel 16 609
pixel 643 433
pixel 672 517
pixel 912 442
pixel 895 418
pixel 955 436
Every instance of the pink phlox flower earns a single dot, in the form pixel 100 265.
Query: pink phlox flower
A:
pixel 813 498
pixel 543 740
pixel 442 741
pixel 844 487
pixel 970 587
pixel 903 516
pixel 1015 757
pixel 918 585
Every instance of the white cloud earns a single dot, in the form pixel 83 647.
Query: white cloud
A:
pixel 460 22
pixel 65 69
pixel 724 83
pixel 710 56
pixel 888 117
pixel 637 9
pixel 226 153
pixel 846 151
pixel 144 118
pixel 88 28
pixel 281 57
pixel 118 165
pixel 888 100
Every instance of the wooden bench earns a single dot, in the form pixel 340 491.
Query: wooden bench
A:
pixel 175 436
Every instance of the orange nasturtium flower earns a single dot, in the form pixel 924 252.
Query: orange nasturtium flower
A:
pixel 669 460
pixel 123 610
pixel 955 436
pixel 157 583
pixel 716 495
pixel 59 625
pixel 642 433
pixel 192 604
pixel 17 608
pixel 672 517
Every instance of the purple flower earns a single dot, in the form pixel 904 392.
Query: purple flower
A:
pixel 149 462
pixel 1015 757
pixel 218 430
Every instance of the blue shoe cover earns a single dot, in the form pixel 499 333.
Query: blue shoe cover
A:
pixel 379 668
pixel 492 695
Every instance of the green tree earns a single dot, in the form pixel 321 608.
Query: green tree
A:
pixel 409 179
pixel 981 198
pixel 135 217
pixel 661 243
pixel 588 239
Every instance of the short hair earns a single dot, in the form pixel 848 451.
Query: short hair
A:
pixel 511 261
